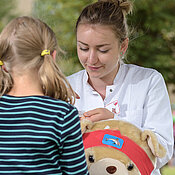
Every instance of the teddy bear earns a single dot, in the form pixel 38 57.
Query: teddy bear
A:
pixel 119 148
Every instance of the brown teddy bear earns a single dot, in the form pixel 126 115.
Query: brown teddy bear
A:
pixel 119 148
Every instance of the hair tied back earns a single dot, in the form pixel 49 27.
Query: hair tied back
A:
pixel 125 5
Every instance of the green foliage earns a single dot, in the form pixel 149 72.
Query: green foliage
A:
pixel 6 7
pixel 166 170
pixel 152 42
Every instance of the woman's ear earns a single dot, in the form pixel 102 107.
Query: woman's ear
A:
pixel 124 46
pixel 54 54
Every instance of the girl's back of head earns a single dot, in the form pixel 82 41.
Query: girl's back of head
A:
pixel 21 43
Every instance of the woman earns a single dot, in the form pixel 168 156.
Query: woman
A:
pixel 108 88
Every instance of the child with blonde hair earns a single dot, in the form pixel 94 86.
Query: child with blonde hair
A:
pixel 39 127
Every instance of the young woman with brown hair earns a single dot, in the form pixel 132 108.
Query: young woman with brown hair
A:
pixel 108 88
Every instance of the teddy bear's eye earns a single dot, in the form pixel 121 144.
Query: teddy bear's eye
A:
pixel 130 167
pixel 91 158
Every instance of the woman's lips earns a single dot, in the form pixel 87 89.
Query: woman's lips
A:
pixel 94 67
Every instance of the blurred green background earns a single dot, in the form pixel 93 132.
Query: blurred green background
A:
pixel 152 37
pixel 152 26
pixel 152 40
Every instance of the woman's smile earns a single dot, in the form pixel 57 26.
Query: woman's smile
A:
pixel 94 68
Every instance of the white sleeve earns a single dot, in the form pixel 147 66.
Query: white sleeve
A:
pixel 158 116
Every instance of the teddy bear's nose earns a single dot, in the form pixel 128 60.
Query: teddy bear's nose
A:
pixel 111 169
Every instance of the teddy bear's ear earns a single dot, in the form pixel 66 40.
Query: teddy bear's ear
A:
pixel 85 125
pixel 157 149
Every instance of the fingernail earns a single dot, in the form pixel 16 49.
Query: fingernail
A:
pixel 86 114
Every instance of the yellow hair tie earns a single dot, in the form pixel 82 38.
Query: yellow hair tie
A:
pixel 45 52
pixel 1 63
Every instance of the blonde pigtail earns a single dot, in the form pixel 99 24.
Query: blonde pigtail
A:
pixel 54 82
pixel 6 81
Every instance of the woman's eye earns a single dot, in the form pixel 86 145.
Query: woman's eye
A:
pixel 84 49
pixel 103 51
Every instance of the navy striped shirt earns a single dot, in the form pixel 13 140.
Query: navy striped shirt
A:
pixel 40 135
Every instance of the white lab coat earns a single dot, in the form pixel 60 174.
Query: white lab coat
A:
pixel 138 95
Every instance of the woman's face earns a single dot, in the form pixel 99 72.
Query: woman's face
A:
pixel 98 51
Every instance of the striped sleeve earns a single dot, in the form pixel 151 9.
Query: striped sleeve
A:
pixel 72 154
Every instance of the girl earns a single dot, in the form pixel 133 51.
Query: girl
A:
pixel 39 128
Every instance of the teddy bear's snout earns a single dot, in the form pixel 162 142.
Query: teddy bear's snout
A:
pixel 111 169
pixel 108 166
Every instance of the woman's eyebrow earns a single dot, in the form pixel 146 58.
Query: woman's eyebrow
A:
pixel 100 45
pixel 83 43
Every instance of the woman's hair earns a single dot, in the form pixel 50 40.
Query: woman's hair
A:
pixel 108 12
pixel 21 44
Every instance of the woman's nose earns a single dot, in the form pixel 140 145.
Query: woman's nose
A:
pixel 93 58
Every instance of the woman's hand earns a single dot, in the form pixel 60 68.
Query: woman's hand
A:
pixel 98 114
